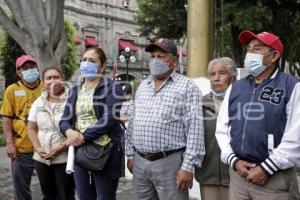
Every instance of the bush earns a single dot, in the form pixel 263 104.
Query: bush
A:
pixel 2 138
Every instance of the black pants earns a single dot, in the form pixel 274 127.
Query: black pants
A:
pixel 54 182
pixel 22 169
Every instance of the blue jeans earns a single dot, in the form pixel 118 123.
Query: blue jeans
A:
pixel 100 185
pixel 93 185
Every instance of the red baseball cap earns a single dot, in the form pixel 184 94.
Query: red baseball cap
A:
pixel 269 39
pixel 23 59
pixel 163 44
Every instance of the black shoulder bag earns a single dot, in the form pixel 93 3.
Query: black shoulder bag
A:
pixel 93 156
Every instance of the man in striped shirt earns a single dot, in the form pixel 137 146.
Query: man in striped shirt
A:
pixel 165 133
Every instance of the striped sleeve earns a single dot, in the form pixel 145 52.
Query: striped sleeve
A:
pixel 269 166
pixel 286 154
pixel 232 160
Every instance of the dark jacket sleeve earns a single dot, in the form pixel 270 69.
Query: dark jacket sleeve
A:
pixel 68 118
pixel 107 111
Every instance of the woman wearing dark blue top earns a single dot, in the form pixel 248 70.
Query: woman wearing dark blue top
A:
pixel 91 115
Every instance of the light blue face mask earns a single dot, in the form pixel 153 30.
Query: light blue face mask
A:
pixel 30 75
pixel 158 67
pixel 253 63
pixel 219 94
pixel 88 70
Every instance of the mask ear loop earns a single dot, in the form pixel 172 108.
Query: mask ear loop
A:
pixel 277 52
pixel 268 55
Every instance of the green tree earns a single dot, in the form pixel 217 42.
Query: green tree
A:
pixel 161 18
pixel 168 19
pixel 281 17
pixel 70 60
pixel 10 50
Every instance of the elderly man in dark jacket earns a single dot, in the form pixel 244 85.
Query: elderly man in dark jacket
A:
pixel 213 176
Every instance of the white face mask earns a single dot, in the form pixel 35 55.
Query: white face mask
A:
pixel 219 94
pixel 158 67
pixel 30 75
pixel 253 64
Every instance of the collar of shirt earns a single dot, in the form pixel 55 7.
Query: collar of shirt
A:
pixel 151 82
pixel 174 77
pixel 104 81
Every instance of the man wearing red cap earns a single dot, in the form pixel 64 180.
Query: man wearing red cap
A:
pixel 165 139
pixel 258 127
pixel 17 102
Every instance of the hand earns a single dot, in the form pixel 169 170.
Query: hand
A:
pixel 184 180
pixel 243 167
pixel 257 175
pixel 11 150
pixel 74 138
pixel 56 151
pixel 130 165
pixel 42 152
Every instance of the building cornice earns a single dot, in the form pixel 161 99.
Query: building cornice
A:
pixel 99 15
pixel 110 5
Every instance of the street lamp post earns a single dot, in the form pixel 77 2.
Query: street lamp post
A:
pixel 127 62
pixel 127 55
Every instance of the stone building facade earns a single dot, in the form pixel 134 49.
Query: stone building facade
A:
pixel 110 25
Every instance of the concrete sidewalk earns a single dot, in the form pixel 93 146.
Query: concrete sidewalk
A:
pixel 124 191
pixel 6 188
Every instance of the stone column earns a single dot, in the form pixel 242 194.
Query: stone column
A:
pixel 199 36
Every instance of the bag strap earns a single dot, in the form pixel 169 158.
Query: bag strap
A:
pixel 91 157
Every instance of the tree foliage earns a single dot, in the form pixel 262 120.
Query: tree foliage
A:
pixel 70 60
pixel 281 17
pixel 10 50
pixel 161 18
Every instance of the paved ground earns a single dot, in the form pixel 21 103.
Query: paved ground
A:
pixel 124 190
pixel 6 189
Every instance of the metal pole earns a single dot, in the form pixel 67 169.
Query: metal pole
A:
pixel 127 62
pixel 200 34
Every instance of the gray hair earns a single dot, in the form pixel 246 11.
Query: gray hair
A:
pixel 226 61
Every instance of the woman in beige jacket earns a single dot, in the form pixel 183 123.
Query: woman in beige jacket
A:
pixel 50 154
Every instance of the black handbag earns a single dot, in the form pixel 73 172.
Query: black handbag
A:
pixel 93 156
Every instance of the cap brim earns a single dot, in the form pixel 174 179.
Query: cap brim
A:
pixel 246 36
pixel 153 46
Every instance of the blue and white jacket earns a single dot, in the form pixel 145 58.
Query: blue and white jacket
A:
pixel 260 124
